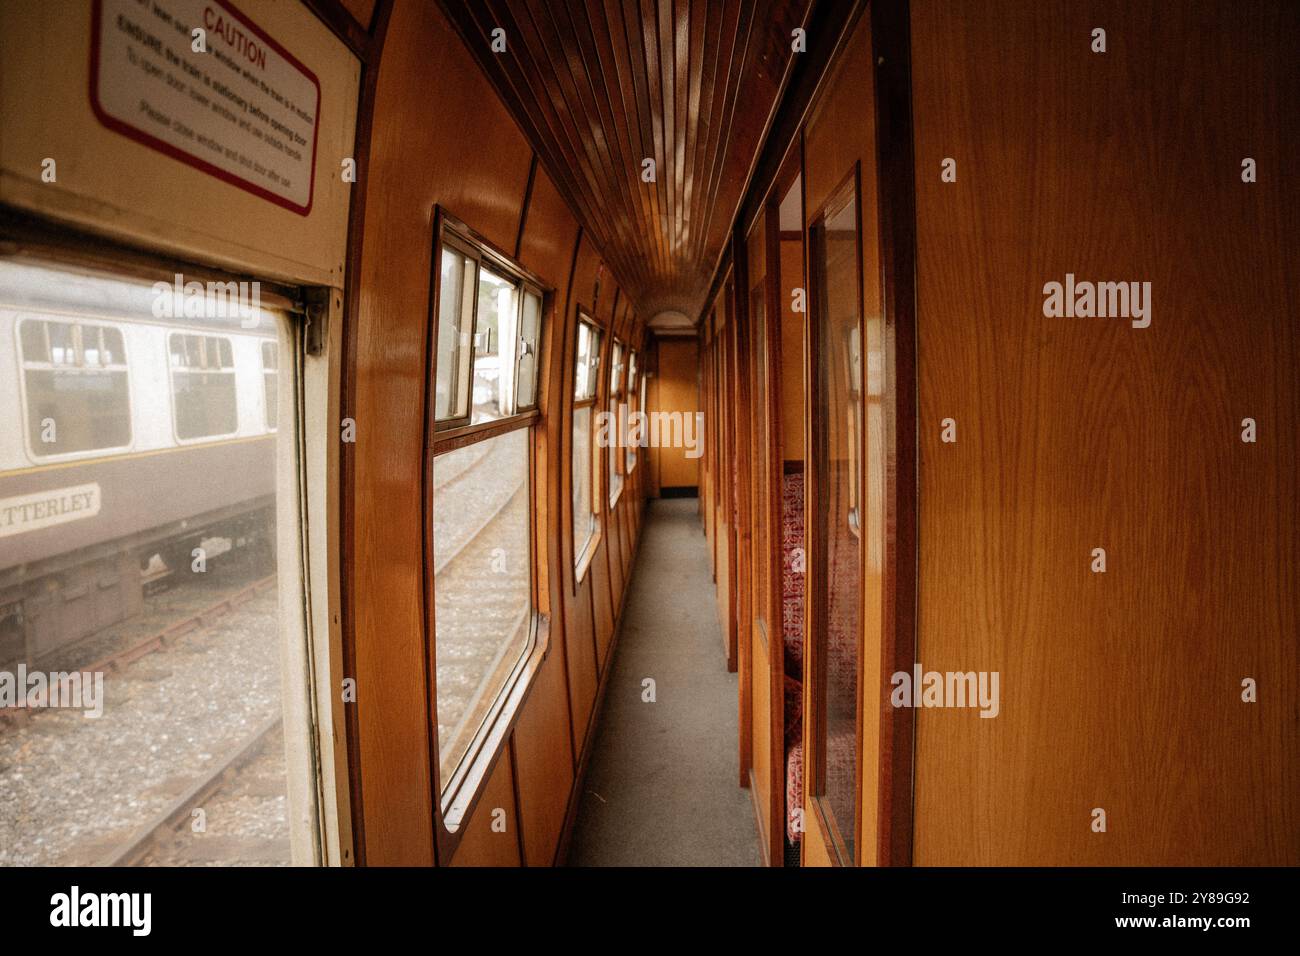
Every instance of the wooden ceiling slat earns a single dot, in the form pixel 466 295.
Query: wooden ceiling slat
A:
pixel 599 85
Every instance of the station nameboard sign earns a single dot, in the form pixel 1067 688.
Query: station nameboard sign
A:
pixel 231 101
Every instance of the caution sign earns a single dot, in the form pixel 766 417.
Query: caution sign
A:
pixel 199 81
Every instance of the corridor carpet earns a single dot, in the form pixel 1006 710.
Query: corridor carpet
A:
pixel 662 787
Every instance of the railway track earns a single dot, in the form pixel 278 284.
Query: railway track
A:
pixel 192 623
pixel 169 834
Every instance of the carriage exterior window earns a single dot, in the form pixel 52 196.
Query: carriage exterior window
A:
pixel 489 328
pixel 203 386
pixel 481 475
pixel 270 384
pixel 616 419
pixel 585 378
pixel 75 384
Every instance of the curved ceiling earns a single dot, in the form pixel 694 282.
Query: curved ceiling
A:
pixel 600 86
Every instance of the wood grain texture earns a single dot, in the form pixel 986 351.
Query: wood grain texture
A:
pixel 678 392
pixel 481 845
pixel 1119 690
pixel 543 738
pixel 791 353
pixel 544 762
pixel 600 86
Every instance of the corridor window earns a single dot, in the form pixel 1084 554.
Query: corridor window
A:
pixel 75 384
pixel 203 386
pixel 585 379
pixel 489 316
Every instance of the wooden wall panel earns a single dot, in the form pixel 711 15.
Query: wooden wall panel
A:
pixel 543 739
pixel 602 598
pixel 678 391
pixel 792 333
pixel 1121 690
pixel 544 762
pixel 422 57
pixel 550 232
pixel 482 845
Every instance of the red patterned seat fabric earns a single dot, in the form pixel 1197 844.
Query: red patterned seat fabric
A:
pixel 792 580
pixel 839 760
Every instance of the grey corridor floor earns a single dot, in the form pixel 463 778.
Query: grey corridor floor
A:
pixel 662 786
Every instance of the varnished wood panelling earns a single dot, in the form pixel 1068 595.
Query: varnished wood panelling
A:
pixel 550 232
pixel 791 356
pixel 600 87
pixel 678 391
pixel 390 332
pixel 544 761
pixel 602 599
pixel 482 845
pixel 1120 691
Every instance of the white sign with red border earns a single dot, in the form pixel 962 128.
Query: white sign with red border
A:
pixel 243 109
